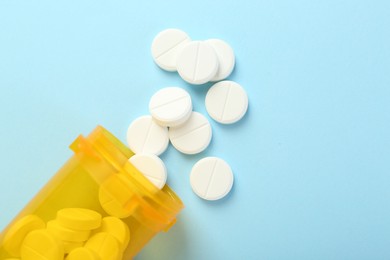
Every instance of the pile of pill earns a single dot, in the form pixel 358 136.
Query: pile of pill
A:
pixel 172 119
pixel 197 62
pixel 75 234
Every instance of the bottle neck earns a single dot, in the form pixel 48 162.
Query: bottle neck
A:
pixel 103 155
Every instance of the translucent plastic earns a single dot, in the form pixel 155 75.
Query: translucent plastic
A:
pixel 96 158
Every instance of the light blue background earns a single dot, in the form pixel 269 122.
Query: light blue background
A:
pixel 311 158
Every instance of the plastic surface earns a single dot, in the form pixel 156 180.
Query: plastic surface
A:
pixel 98 158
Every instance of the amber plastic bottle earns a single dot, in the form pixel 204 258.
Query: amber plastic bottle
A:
pixel 96 158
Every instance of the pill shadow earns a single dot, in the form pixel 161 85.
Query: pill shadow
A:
pixel 235 71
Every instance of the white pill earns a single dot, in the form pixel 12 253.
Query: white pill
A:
pixel 226 58
pixel 146 136
pixel 226 102
pixel 211 178
pixel 197 63
pixel 170 106
pixel 192 137
pixel 165 47
pixel 152 167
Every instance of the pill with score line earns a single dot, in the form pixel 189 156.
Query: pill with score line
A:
pixel 226 102
pixel 144 135
pixel 165 47
pixel 211 178
pixel 152 167
pixel 105 246
pixel 17 232
pixel 42 245
pixel 116 196
pixel 170 106
pixel 197 63
pixel 192 137
pixel 117 228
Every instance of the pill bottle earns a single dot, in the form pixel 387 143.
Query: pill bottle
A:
pixel 98 158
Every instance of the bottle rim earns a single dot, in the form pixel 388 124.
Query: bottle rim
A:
pixel 160 207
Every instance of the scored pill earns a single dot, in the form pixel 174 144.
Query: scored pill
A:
pixel 226 102
pixel 116 197
pixel 117 228
pixel 197 63
pixel 42 245
pixel 165 47
pixel 192 137
pixel 152 167
pixel 15 235
pixel 170 106
pixel 105 246
pixel 145 136
pixel 211 178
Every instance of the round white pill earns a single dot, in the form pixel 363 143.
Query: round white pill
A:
pixel 226 58
pixel 170 106
pixel 226 102
pixel 152 167
pixel 197 62
pixel 165 47
pixel 145 136
pixel 192 137
pixel 211 178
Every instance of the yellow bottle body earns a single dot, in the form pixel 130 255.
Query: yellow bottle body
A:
pixel 78 184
